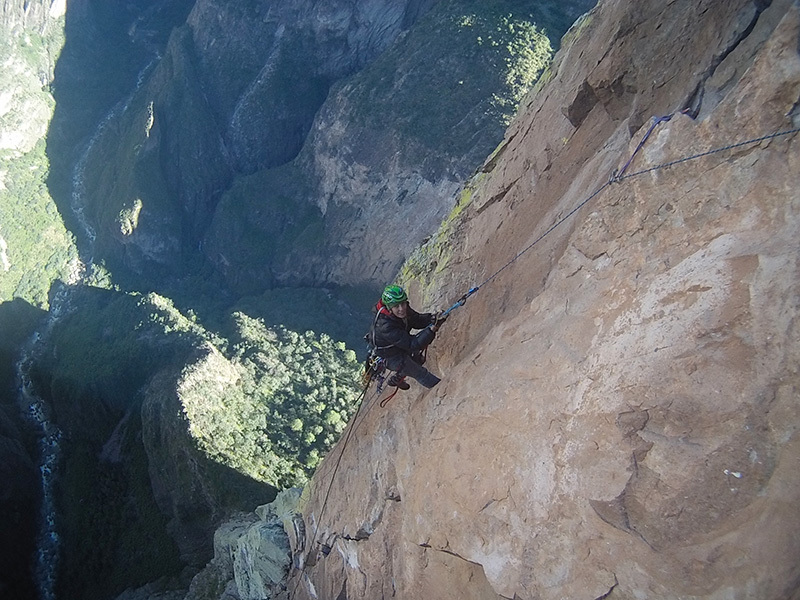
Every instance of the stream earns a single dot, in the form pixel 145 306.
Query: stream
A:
pixel 34 407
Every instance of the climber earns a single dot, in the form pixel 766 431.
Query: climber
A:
pixel 393 342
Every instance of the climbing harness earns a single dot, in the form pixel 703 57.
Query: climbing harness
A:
pixel 374 370
pixel 372 344
pixel 375 364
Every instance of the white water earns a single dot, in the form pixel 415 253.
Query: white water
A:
pixel 78 204
pixel 47 542
pixel 36 409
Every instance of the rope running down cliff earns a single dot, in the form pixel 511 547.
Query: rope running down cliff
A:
pixel 353 425
pixel 617 177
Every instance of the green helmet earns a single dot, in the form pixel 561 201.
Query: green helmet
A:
pixel 393 295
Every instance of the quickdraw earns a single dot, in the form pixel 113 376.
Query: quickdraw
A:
pixel 460 302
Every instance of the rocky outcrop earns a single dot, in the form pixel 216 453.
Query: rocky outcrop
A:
pixel 35 247
pixel 389 149
pixel 251 553
pixel 31 15
pixel 236 92
pixel 31 40
pixel 194 492
pixel 251 556
pixel 618 414
pixel 266 69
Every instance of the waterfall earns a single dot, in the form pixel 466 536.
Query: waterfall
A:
pixel 38 413
pixel 35 408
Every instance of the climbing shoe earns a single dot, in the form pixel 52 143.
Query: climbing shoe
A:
pixel 399 382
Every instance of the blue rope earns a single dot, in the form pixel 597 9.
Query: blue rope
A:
pixel 707 153
pixel 616 177
pixel 460 302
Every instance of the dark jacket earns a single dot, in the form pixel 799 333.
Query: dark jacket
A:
pixel 391 336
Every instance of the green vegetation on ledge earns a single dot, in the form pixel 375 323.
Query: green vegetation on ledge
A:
pixel 258 407
pixel 285 401
pixel 289 398
pixel 432 257
pixel 466 48
pixel 35 247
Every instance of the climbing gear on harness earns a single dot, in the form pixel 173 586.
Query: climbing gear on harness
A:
pixel 374 370
pixel 393 295
pixel 369 337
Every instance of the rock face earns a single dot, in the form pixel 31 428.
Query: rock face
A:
pixel 28 51
pixel 289 143
pixel 618 416
pixel 297 48
pixel 251 552
pixel 385 154
pixel 19 496
pixel 251 556
pixel 31 15
pixel 194 492
pixel 236 92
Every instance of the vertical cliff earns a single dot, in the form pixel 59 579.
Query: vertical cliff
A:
pixel 29 48
pixel 30 15
pixel 618 414
pixel 283 144
pixel 388 148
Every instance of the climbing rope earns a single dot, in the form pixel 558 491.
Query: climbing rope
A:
pixel 753 141
pixel 373 372
pixel 386 400
pixel 616 177
pixel 461 301
pixel 656 121
pixel 355 422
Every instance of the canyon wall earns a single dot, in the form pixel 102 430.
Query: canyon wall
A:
pixel 618 413
pixel 287 144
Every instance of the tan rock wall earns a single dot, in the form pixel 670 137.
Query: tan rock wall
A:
pixel 619 408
